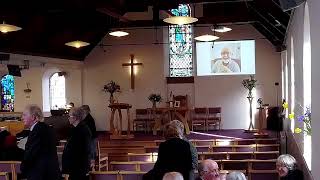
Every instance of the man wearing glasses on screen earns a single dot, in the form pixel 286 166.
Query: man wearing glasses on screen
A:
pixel 225 64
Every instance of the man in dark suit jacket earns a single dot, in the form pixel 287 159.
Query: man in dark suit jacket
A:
pixel 77 153
pixel 174 155
pixel 40 160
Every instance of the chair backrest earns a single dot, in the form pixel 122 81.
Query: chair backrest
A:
pixel 4 176
pixel 214 110
pixel 200 110
pixel 183 100
pixel 142 114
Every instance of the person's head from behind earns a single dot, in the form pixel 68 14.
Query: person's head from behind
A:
pixel 179 125
pixel 75 116
pixel 85 109
pixel 173 176
pixel 236 175
pixel 31 115
pixel 171 132
pixel 225 54
pixel 209 170
pixel 285 163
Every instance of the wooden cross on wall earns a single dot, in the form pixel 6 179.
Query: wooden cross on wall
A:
pixel 132 64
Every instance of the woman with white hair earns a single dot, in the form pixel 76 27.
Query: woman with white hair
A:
pixel 287 168
pixel 236 175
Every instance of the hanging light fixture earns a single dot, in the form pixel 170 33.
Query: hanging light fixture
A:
pixel 206 38
pixel 180 20
pixel 118 33
pixel 5 28
pixel 77 44
pixel 221 29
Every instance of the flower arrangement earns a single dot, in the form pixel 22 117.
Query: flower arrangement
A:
pixel 304 118
pixel 111 87
pixel 154 98
pixel 260 101
pixel 249 83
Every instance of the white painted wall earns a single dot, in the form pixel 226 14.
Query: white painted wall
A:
pixel 225 91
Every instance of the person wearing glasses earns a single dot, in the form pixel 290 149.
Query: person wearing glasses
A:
pixel 208 170
pixel 76 155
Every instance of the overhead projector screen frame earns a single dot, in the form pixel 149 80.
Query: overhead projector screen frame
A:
pixel 227 57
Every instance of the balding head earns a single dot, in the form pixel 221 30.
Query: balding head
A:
pixel 225 54
pixel 173 176
pixel 209 170
pixel 31 115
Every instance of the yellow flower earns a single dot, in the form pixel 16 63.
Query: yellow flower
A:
pixel 291 116
pixel 285 105
pixel 297 130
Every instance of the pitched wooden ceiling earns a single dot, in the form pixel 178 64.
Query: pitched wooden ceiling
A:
pixel 48 25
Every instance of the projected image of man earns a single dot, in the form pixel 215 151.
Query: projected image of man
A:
pixel 225 64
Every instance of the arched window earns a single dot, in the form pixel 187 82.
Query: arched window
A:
pixel 7 93
pixel 57 91
pixel 180 43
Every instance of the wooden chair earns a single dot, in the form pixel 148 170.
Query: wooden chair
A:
pixel 4 176
pixel 101 160
pixel 142 119
pixel 12 167
pixel 214 117
pixel 199 117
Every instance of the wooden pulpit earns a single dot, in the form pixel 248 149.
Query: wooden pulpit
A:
pixel 116 133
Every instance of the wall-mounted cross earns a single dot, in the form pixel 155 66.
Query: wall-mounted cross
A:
pixel 132 64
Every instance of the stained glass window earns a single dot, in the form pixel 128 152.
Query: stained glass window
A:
pixel 7 93
pixel 57 91
pixel 180 43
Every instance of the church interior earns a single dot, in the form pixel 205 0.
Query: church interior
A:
pixel 240 76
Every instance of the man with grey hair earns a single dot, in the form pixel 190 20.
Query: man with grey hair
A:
pixel 287 167
pixel 173 176
pixel 236 175
pixel 208 170
pixel 77 152
pixel 40 158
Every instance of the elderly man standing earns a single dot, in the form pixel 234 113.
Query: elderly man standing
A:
pixel 77 152
pixel 40 158
pixel 208 170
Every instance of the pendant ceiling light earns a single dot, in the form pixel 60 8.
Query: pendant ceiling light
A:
pixel 5 28
pixel 206 38
pixel 180 20
pixel 118 33
pixel 221 29
pixel 77 44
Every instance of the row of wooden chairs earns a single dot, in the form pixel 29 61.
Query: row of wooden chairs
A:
pixel 205 117
pixel 13 168
pixel 137 175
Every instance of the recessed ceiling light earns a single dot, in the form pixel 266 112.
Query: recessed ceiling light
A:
pixel 222 29
pixel 206 38
pixel 118 33
pixel 77 44
pixel 180 20
pixel 5 28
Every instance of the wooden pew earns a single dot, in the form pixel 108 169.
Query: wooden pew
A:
pixel 131 166
pixel 4 176
pixel 116 175
pixel 263 175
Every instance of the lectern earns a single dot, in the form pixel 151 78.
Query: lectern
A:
pixel 116 133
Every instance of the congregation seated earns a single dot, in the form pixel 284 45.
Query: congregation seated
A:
pixel 10 151
pixel 174 155
pixel 287 168
pixel 208 170
pixel 236 175
pixel 172 176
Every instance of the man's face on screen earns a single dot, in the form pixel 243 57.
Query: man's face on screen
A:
pixel 225 55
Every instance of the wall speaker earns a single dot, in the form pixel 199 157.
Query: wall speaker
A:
pixel 287 5
pixel 14 70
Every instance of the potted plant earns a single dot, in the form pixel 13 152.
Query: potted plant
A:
pixel 111 88
pixel 154 98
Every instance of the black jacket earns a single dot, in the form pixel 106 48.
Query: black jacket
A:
pixel 76 153
pixel 91 124
pixel 293 175
pixel 173 155
pixel 40 160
